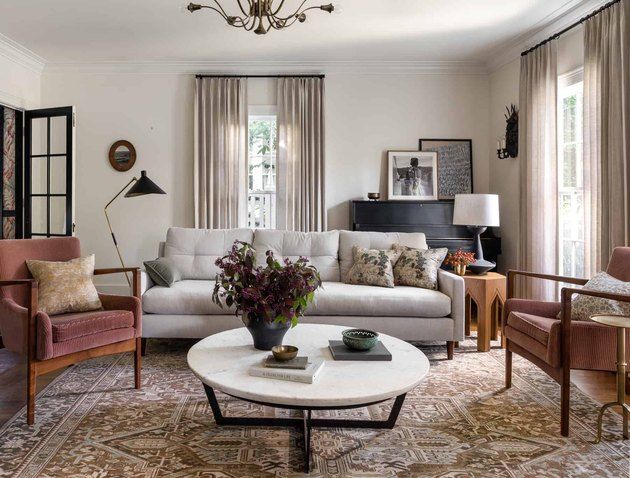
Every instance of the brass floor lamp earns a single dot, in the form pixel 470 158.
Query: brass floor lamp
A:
pixel 142 187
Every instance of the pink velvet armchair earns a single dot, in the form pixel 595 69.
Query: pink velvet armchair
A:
pixel 53 342
pixel 532 330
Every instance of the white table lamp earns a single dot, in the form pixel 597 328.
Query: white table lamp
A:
pixel 478 212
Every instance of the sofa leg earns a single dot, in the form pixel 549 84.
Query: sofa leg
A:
pixel 508 368
pixel 450 346
pixel 138 362
pixel 31 391
pixel 143 347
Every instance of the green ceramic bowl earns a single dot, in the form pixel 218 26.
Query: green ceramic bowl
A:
pixel 359 339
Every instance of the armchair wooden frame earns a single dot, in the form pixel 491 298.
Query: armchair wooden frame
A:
pixel 37 367
pixel 562 375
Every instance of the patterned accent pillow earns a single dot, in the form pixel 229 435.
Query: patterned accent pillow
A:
pixel 585 306
pixel 372 267
pixel 65 286
pixel 418 267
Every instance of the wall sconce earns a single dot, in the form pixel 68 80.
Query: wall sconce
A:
pixel 507 146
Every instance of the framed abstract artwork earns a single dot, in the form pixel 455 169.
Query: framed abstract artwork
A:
pixel 455 165
pixel 412 176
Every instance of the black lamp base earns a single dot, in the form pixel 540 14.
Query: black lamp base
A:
pixel 480 266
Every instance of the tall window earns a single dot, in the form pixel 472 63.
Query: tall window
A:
pixel 570 176
pixel 261 207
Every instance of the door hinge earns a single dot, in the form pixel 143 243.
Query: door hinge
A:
pixel 74 120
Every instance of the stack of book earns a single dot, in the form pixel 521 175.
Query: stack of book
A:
pixel 299 369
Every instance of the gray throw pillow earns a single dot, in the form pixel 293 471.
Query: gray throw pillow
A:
pixel 163 272
pixel 584 307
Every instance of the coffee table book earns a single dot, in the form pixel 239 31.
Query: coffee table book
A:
pixel 378 353
pixel 296 363
pixel 309 375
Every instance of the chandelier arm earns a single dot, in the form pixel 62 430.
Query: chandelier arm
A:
pixel 216 10
pixel 279 8
pixel 240 5
pixel 297 12
pixel 225 15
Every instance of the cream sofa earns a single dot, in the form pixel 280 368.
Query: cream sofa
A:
pixel 186 310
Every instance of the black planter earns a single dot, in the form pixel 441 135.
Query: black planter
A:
pixel 266 335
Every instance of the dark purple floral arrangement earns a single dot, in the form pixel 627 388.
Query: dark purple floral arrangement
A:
pixel 277 292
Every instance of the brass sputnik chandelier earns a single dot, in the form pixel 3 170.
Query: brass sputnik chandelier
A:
pixel 262 15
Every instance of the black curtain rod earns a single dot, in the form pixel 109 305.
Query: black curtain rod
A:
pixel 571 27
pixel 260 76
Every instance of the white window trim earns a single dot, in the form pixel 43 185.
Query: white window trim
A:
pixel 571 77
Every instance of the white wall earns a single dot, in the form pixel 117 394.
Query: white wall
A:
pixel 366 117
pixel 19 86
pixel 505 173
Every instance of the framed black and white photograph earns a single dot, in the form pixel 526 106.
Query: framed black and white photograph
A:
pixel 455 165
pixel 413 175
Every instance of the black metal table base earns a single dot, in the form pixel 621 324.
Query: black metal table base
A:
pixel 307 422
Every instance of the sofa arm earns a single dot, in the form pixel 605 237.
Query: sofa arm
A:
pixel 453 286
pixel 145 282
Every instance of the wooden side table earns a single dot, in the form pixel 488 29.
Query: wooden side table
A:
pixel 488 292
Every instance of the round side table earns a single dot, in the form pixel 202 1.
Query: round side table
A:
pixel 621 323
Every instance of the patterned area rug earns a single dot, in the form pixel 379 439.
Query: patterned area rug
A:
pixel 459 423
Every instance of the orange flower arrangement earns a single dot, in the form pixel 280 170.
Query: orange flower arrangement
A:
pixel 460 260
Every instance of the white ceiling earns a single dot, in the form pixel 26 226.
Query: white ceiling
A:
pixel 367 30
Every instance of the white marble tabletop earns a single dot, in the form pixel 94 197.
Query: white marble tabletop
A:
pixel 222 361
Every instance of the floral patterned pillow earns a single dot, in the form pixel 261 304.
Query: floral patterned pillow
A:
pixel 373 267
pixel 585 306
pixel 418 267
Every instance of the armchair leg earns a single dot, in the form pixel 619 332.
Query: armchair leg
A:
pixel 508 368
pixel 565 390
pixel 138 362
pixel 450 349
pixel 31 391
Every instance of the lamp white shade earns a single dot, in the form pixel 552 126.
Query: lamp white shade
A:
pixel 476 210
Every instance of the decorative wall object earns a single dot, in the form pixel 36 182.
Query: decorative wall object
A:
pixel 122 155
pixel 455 167
pixel 507 147
pixel 413 175
pixel 10 165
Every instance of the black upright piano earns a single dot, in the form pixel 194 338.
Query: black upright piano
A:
pixel 433 218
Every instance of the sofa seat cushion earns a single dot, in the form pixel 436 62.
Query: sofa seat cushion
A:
pixel 186 297
pixel 337 298
pixel 72 326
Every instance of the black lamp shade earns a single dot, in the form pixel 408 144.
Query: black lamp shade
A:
pixel 144 186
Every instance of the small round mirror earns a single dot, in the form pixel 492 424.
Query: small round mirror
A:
pixel 122 155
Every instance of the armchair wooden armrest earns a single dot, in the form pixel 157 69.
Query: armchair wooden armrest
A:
pixel 32 282
pixel 511 275
pixel 123 270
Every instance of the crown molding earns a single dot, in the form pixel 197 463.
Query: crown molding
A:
pixel 21 55
pixel 158 67
pixel 561 18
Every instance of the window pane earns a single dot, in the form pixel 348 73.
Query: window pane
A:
pixel 262 171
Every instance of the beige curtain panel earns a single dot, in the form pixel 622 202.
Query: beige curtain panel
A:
pixel 301 199
pixel 220 163
pixel 607 133
pixel 538 238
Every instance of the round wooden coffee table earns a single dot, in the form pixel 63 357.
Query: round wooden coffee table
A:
pixel 222 362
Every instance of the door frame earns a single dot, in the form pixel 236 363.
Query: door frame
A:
pixel 29 115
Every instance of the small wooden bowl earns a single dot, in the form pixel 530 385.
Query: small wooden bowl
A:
pixel 284 353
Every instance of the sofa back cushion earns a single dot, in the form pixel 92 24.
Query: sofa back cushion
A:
pixel 194 251
pixel 320 248
pixel 374 240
